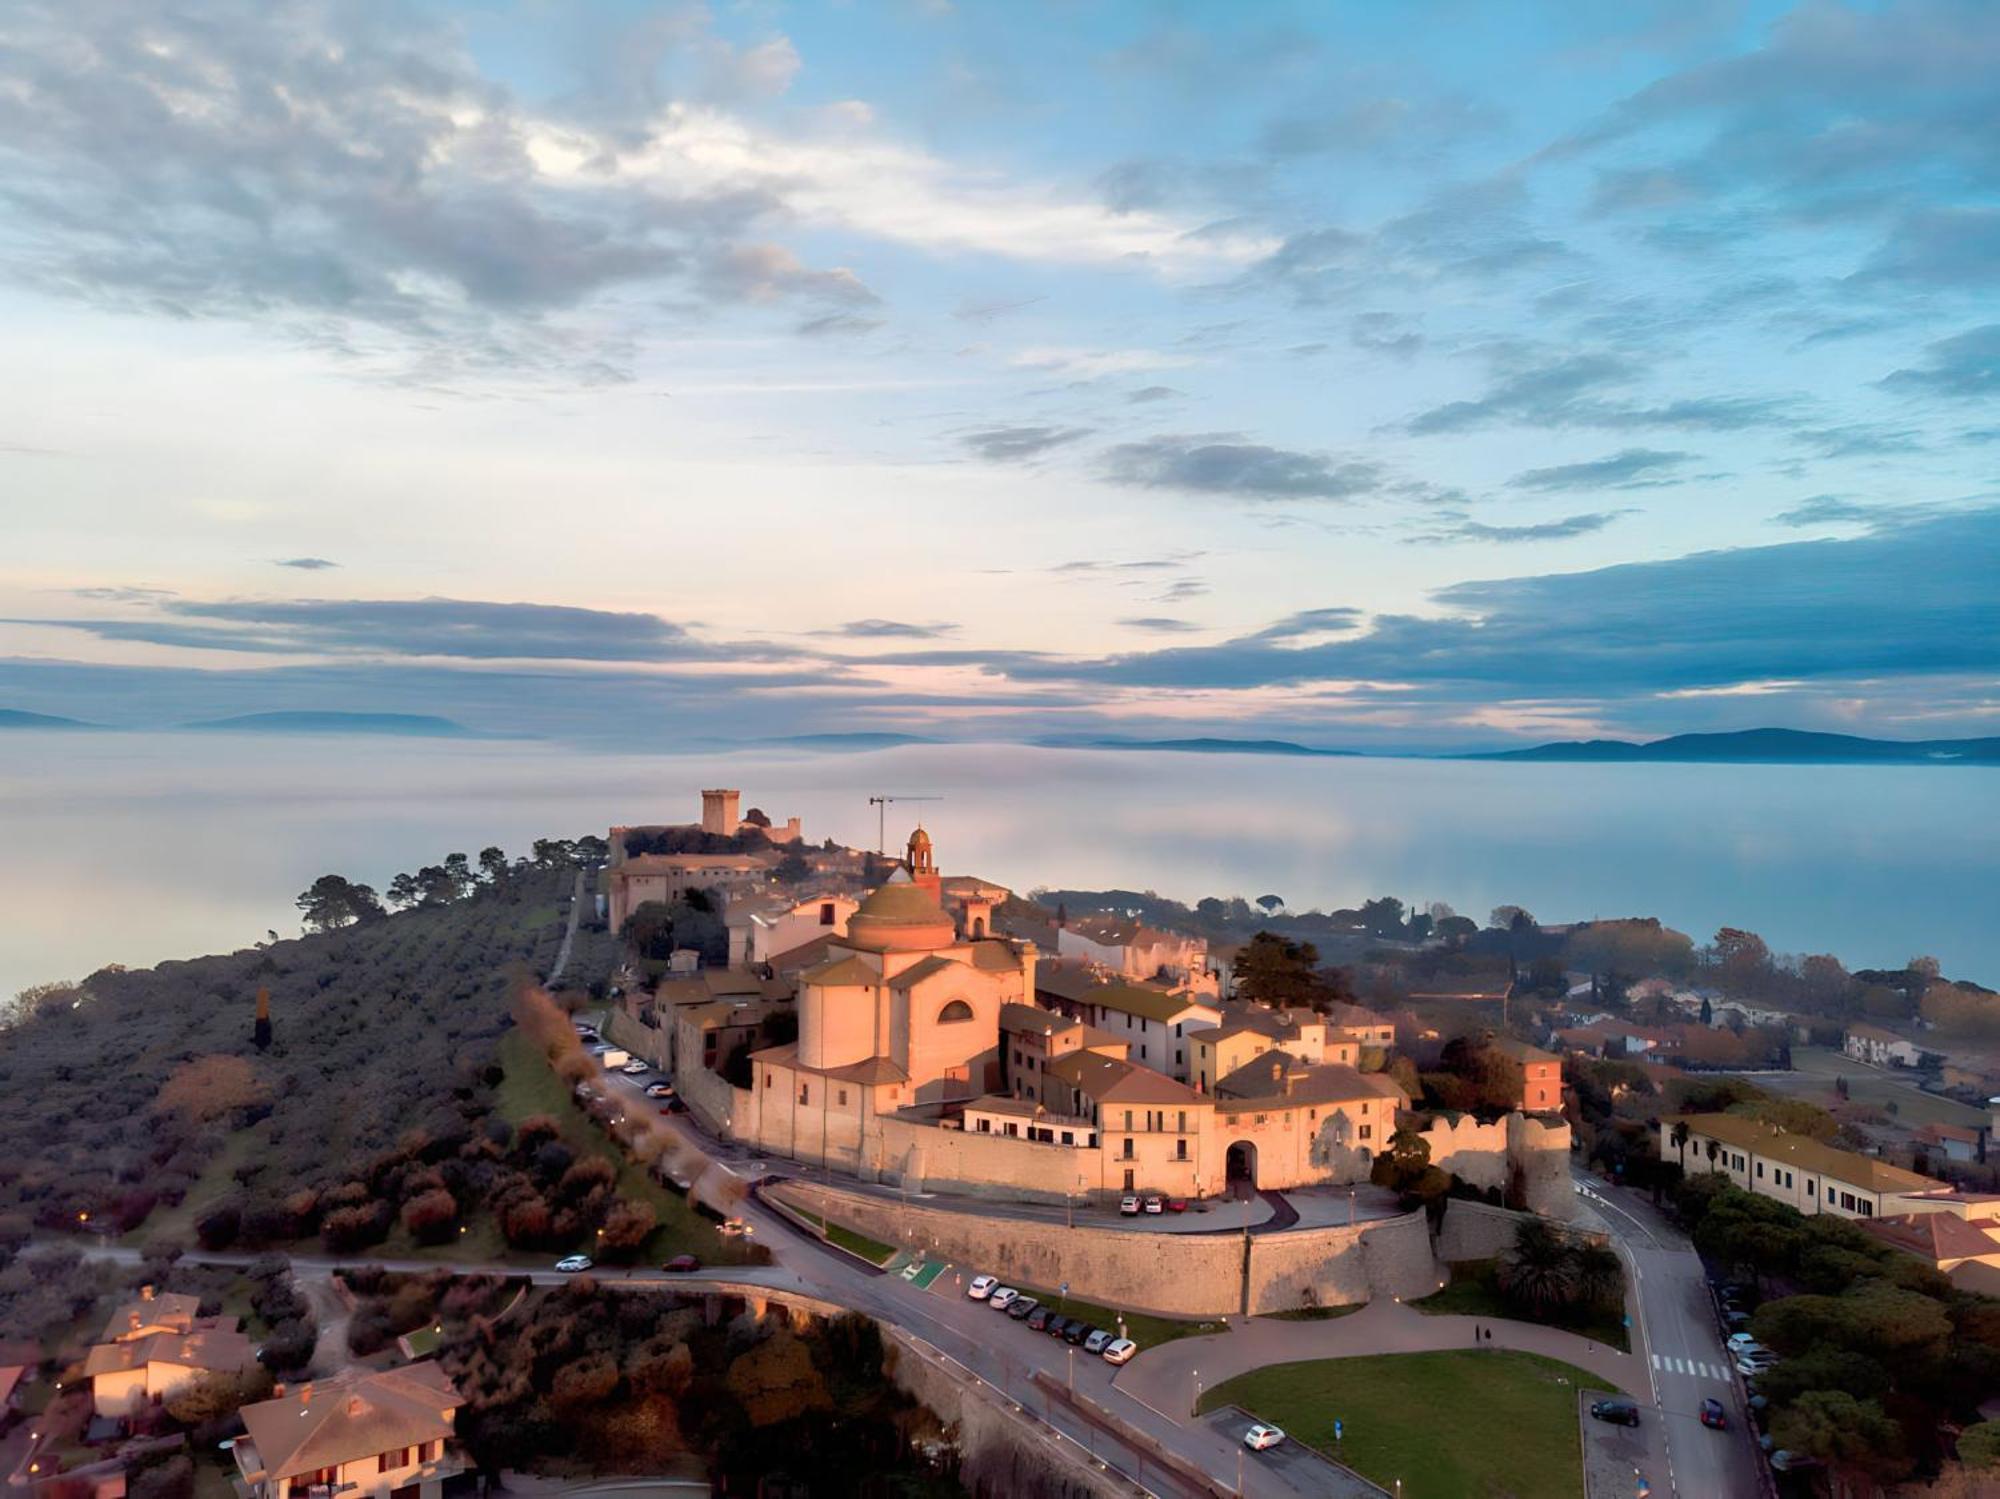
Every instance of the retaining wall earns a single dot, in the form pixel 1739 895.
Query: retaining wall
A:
pixel 1476 1231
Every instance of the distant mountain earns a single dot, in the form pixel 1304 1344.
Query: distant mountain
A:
pixel 1774 746
pixel 409 725
pixel 1190 746
pixel 850 741
pixel 16 718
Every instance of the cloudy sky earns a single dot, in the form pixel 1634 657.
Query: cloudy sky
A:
pixel 1432 375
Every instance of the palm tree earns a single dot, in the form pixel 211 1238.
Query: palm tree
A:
pixel 1679 1136
pixel 1600 1278
pixel 1540 1268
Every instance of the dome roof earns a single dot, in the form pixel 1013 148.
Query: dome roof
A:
pixel 901 917
pixel 920 839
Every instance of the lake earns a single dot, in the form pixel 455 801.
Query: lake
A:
pixel 132 848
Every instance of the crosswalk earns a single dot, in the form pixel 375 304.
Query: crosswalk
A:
pixel 1695 1368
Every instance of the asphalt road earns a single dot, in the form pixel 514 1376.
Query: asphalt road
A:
pixel 1682 1346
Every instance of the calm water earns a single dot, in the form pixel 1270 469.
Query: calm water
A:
pixel 134 848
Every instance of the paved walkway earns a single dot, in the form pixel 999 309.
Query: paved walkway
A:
pixel 1163 1378
pixel 569 932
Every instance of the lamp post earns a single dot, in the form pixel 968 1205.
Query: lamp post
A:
pixel 1350 1207
pixel 1194 1403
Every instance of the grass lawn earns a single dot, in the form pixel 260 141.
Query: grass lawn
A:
pixel 1484 1425
pixel 423 1342
pixel 872 1250
pixel 1143 1328
pixel 1314 1313
pixel 1473 1292
pixel 217 1180
pixel 1815 1068
pixel 531 1087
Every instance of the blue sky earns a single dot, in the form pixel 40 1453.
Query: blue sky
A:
pixel 1420 376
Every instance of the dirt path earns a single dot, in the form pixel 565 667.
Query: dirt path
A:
pixel 569 932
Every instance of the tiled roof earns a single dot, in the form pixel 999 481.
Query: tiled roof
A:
pixel 1802 1152
pixel 1020 1017
pixel 217 1349
pixel 991 955
pixel 836 972
pixel 1521 1051
pixel 1148 1004
pixel 1114 1080
pixel 333 1421
pixel 870 1071
pixel 170 1309
pixel 1934 1236
pixel 1278 1078
pixel 922 969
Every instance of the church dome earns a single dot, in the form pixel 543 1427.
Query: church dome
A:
pixel 901 917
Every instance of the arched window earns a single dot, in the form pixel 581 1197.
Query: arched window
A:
pixel 957 1010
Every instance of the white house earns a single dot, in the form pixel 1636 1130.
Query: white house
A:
pixel 1870 1043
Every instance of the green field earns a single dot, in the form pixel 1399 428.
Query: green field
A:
pixel 532 1087
pixel 872 1250
pixel 1815 1067
pixel 1482 1425
pixel 1472 1292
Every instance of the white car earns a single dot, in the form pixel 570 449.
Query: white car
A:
pixel 1001 1298
pixel 659 1090
pixel 1118 1350
pixel 1155 1205
pixel 636 1068
pixel 1742 1342
pixel 982 1286
pixel 1260 1436
pixel 574 1264
pixel 1129 1207
pixel 1750 1365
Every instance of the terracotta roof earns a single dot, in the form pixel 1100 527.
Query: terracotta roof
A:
pixel 1521 1051
pixel 837 972
pixel 1352 1015
pixel 1114 1080
pixel 922 969
pixel 1934 1236
pixel 1024 1108
pixel 1802 1152
pixel 218 1349
pixel 333 1421
pixel 1071 981
pixel 171 1309
pixel 1873 1033
pixel 900 915
pixel 805 955
pixel 992 955
pixel 10 1376
pixel 1020 1017
pixel 871 1071
pixel 1150 1004
pixel 1278 1078
pixel 1104 928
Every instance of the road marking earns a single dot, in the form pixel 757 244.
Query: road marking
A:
pixel 1656 1361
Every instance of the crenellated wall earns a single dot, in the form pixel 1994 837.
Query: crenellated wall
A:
pixel 1487 1155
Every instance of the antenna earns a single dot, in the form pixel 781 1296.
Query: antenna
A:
pixel 881 805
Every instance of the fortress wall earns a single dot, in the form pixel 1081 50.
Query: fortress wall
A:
pixel 1489 1155
pixel 1342 1266
pixel 1476 1231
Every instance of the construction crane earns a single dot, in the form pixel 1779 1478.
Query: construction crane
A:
pixel 881 805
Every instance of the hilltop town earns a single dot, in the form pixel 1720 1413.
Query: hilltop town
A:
pixel 662 1140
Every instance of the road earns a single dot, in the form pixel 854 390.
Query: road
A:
pixel 1681 1343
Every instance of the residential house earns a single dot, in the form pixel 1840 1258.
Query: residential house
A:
pixel 1872 1044
pixel 1363 1027
pixel 1130 949
pixel 1026 1119
pixel 761 929
pixel 370 1434
pixel 1153 1023
pixel 1958 1234
pixel 1537 1074
pixel 1032 1037
pixel 1151 1127
pixel 639 878
pixel 157 1345
pixel 1284 1119
pixel 1952 1142
pixel 1796 1170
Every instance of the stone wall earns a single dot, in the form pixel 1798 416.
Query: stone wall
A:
pixel 1488 1155
pixel 1175 1274
pixel 1475 1231
pixel 646 1041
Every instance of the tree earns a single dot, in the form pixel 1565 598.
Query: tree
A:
pixel 333 902
pixel 776 1381
pixel 1678 1135
pixel 1383 917
pixel 458 870
pixel 493 864
pixel 216 1395
pixel 626 1226
pixel 1979 1445
pixel 1600 1277
pixel 792 867
pixel 204 1088
pixel 1743 960
pixel 1834 1427
pixel 403 892
pixel 1511 919
pixel 1275 970
pixel 1457 930
pixel 1271 903
pixel 1924 968
pixel 431 1217
pixel 1539 1268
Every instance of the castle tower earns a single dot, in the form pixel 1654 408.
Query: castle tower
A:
pixel 718 812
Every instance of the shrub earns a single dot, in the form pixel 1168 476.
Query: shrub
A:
pixel 347 1229
pixel 431 1218
pixel 217 1228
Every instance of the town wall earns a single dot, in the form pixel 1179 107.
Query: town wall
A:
pixel 645 1041
pixel 1342 1266
pixel 1488 1155
pixel 1478 1231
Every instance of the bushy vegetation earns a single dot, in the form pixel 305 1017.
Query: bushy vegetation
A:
pixel 627 1381
pixel 1881 1353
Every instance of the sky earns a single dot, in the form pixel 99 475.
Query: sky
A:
pixel 1433 376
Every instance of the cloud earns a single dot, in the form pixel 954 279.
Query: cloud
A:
pixel 1631 468
pixel 836 325
pixel 888 629
pixel 306 564
pixel 1550 530
pixel 1838 510
pixel 1964 366
pixel 1568 392
pixel 1224 463
pixel 1160 625
pixel 1328 621
pixel 1148 393
pixel 463 628
pixel 1383 333
pixel 1911 601
pixel 770 273
pixel 1089 364
pixel 1180 591
pixel 1013 444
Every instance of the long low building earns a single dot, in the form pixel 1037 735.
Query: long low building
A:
pixel 1796 1170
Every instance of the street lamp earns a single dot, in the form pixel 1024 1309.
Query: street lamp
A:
pixel 1194 1405
pixel 1350 1207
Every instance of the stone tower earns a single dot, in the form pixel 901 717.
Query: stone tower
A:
pixel 718 812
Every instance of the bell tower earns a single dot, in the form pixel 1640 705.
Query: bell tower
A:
pixel 917 855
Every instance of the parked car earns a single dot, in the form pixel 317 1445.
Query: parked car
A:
pixel 574 1264
pixel 682 1264
pixel 1059 1326
pixel 1177 1204
pixel 1078 1331
pixel 1001 1297
pixel 1741 1341
pixel 1038 1319
pixel 1023 1308
pixel 1156 1205
pixel 1118 1350
pixel 659 1090
pixel 1129 1206
pixel 1750 1365
pixel 981 1287
pixel 734 1228
pixel 1791 1462
pixel 636 1068
pixel 1712 1415
pixel 1618 1412
pixel 1098 1341
pixel 1259 1437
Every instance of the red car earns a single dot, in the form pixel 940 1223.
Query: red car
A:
pixel 1177 1204
pixel 681 1264
pixel 1712 1416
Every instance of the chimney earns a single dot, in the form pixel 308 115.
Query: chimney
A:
pixel 356 1406
pixel 145 1293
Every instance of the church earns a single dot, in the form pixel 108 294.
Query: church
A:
pixel 902 1014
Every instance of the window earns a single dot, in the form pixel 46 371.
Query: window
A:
pixel 1180 1150
pixel 841 1098
pixel 1865 1208
pixel 1180 1059
pixel 804 1096
pixel 826 913
pixel 1128 1155
pixel 1128 1119
pixel 1760 1171
pixel 1263 1118
pixel 955 1012
pixel 1142 1051
pixel 1367 1132
pixel 1177 1030
pixel 1812 1187
pixel 1847 1200
pixel 1128 1180
pixel 986 1126
pixel 767 1079
pixel 1013 1129
pixel 1183 1123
